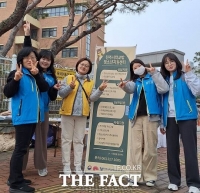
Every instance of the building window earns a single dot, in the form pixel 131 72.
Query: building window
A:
pixel 2 4
pixel 54 11
pixel 1 47
pixel 88 37
pixel 78 9
pixel 34 34
pixel 49 32
pixel 58 11
pixel 70 52
pixel 75 33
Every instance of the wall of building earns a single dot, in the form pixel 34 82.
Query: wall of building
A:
pixel 50 22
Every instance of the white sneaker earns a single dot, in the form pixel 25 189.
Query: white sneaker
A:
pixel 78 170
pixel 67 169
pixel 43 172
pixel 150 183
pixel 193 189
pixel 173 187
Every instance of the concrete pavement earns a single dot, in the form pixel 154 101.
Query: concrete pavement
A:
pixel 52 183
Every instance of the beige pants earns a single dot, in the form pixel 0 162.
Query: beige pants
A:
pixel 40 151
pixel 73 129
pixel 143 151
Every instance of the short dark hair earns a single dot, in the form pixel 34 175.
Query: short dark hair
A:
pixel 25 52
pixel 134 76
pixel 83 59
pixel 165 73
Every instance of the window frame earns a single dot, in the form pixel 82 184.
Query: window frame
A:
pixel 48 31
pixel 67 52
pixel 3 4
pixel 75 33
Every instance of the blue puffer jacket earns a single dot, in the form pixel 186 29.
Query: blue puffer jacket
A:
pixel 153 99
pixel 45 96
pixel 184 101
pixel 27 106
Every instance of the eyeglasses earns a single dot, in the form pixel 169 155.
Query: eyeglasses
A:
pixel 29 58
pixel 84 65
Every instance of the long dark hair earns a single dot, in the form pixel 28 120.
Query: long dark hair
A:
pixel 133 76
pixel 165 73
pixel 83 59
pixel 25 52
pixel 48 55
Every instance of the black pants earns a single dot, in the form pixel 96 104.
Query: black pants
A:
pixel 23 135
pixel 187 130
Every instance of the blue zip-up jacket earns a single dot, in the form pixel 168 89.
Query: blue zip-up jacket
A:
pixel 153 99
pixel 27 106
pixel 47 96
pixel 184 101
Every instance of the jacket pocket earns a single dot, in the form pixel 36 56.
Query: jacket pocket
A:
pixel 20 107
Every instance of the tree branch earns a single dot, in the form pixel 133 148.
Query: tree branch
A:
pixel 14 31
pixel 15 17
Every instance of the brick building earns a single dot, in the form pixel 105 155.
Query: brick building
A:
pixel 50 26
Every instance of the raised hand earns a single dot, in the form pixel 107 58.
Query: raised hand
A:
pixel 150 69
pixel 103 85
pixel 72 84
pixel 34 70
pixel 18 73
pixel 122 83
pixel 187 66
pixel 57 86
pixel 26 27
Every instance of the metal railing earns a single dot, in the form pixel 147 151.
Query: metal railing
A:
pixel 5 68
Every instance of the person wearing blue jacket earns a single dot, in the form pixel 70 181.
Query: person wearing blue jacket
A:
pixel 180 120
pixel 146 85
pixel 45 66
pixel 24 86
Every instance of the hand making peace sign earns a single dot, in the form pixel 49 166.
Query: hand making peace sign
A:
pixel 186 66
pixel 34 70
pixel 57 86
pixel 151 69
pixel 103 85
pixel 18 73
pixel 122 83
pixel 72 84
pixel 26 27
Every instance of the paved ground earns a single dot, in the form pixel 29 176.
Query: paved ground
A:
pixel 52 183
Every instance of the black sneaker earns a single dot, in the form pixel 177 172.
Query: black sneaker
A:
pixel 26 181
pixel 22 189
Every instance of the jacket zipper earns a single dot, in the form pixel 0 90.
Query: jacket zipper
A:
pixel 38 108
pixel 32 85
pixel 145 99
pixel 174 103
pixel 20 107
pixel 137 102
pixel 189 106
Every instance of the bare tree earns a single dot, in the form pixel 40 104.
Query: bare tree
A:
pixel 94 14
pixel 14 31
pixel 18 13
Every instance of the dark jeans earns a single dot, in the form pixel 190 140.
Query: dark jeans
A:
pixel 23 135
pixel 187 132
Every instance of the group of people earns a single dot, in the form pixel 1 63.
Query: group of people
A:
pixel 166 98
pixel 32 86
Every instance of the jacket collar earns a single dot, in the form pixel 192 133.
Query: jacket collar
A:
pixel 145 77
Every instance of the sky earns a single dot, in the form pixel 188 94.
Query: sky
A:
pixel 162 26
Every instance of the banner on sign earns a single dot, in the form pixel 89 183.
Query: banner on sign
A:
pixel 107 150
